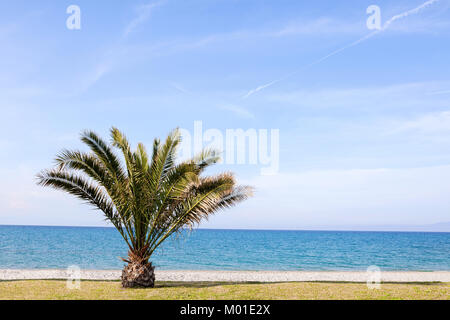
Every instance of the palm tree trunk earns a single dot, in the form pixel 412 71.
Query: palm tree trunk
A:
pixel 137 274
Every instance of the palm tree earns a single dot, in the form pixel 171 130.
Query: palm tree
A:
pixel 148 199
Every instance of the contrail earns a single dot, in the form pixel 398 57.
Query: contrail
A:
pixel 366 37
pixel 407 13
pixel 263 87
pixel 143 15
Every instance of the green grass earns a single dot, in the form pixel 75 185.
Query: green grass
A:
pixel 108 290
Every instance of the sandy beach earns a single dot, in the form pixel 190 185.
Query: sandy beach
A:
pixel 235 276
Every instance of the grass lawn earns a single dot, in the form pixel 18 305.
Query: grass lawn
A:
pixel 49 289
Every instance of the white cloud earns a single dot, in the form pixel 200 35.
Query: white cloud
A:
pixel 430 123
pixel 320 26
pixel 239 111
pixel 180 88
pixel 112 57
pixel 440 92
pixel 143 14
pixel 395 96
pixel 359 196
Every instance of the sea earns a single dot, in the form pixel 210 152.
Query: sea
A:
pixel 40 247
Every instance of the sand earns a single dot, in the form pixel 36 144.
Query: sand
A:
pixel 235 276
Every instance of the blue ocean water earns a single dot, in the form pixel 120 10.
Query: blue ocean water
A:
pixel 31 247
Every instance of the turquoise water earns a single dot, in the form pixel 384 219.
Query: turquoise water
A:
pixel 30 247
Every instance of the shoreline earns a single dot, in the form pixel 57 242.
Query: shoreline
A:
pixel 233 276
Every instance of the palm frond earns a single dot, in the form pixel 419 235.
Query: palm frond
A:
pixel 105 154
pixel 203 199
pixel 87 163
pixel 80 187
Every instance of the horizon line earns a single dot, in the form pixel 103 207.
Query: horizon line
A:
pixel 238 229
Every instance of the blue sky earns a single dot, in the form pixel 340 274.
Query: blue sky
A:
pixel 364 133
